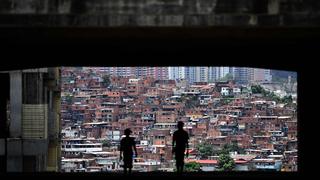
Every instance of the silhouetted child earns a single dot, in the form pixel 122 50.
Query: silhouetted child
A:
pixel 179 145
pixel 127 145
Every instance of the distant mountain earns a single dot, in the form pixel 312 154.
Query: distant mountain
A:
pixel 283 74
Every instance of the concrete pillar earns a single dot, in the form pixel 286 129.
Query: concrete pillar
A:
pixel 15 104
pixel 14 143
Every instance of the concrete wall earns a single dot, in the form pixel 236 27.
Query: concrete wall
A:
pixel 159 12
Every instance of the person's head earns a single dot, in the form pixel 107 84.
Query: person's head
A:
pixel 127 132
pixel 180 125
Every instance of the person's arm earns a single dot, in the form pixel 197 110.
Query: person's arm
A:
pixel 121 150
pixel 135 148
pixel 187 145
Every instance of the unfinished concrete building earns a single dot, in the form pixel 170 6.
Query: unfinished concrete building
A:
pixel 30 142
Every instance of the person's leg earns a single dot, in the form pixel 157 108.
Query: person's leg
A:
pixel 182 162
pixel 177 164
pixel 181 169
pixel 130 163
pixel 182 166
pixel 127 163
pixel 179 161
pixel 177 167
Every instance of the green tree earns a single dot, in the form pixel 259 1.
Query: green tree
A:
pixel 279 80
pixel 225 162
pixel 194 98
pixel 191 101
pixel 287 99
pixel 257 89
pixel 106 143
pixel 233 147
pixel 225 101
pixel 192 167
pixel 275 97
pixel 69 98
pixel 227 77
pixel 206 149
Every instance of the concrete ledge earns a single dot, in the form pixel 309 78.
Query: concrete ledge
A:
pixel 158 6
pixel 14 147
pixel 113 34
pixel 170 175
pixel 28 147
pixel 127 20
pixel 35 147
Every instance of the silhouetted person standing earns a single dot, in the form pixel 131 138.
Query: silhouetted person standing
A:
pixel 127 145
pixel 179 145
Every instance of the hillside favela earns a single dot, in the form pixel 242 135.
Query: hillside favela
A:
pixel 237 118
